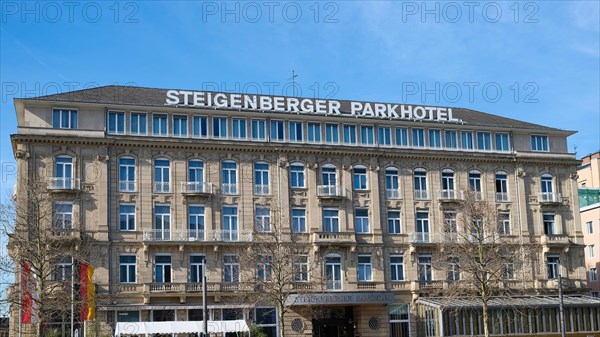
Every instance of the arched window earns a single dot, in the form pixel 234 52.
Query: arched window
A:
pixel 126 174
pixel 63 173
pixel 195 181
pixel 328 175
pixel 162 172
pixel 448 190
pixel 229 177
pixel 420 182
pixel 261 178
pixel 333 271
pixel 501 186
pixel 359 177
pixel 297 175
pixel 392 185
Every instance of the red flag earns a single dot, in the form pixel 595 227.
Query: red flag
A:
pixel 87 292
pixel 26 298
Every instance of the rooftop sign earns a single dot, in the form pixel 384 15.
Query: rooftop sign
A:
pixel 308 106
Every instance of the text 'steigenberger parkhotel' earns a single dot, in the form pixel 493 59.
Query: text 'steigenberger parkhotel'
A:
pixel 170 184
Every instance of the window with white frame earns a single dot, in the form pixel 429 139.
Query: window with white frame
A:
pixel 127 268
pixel 261 178
pixel 229 178
pixel 365 268
pixel 301 268
pixel 138 123
pixel 392 183
pixel 475 182
pixel 263 219
pixel 64 119
pixel 549 225
pixel 264 269
pixel 422 226
pixel 501 186
pixel 127 217
pixel 230 223
pixel 196 222
pixel 484 141
pixel 63 216
pixel 200 126
pixel 297 175
pixel 162 169
pixel 296 132
pixel 420 183
pixel 126 174
pixel 160 125
pixel 509 270
pixel 266 319
pixel 539 143
pixel 62 269
pixel 384 136
pixel 361 220
pixel 238 128
pixel 418 137
pixel 547 188
pixel 162 269
pixel 553 265
pixel 333 272
pixel 277 131
pixel 504 223
pixel 63 173
pixel 401 137
pixel 394 224
pixel 448 191
pixel 450 139
pixel 502 143
pixel 197 263
pixel 453 271
pixel 399 320
pixel 435 138
pixel 231 268
pixel 366 135
pixel 590 227
pixel 219 130
pixel 466 140
pixel 196 174
pixel 180 126
pixel 359 177
pixel 593 274
pixel 332 133
pixel 450 221
pixel 116 122
pixel 591 251
pixel 350 134
pixel 257 129
pixel 313 132
pixel 331 220
pixel 162 222
pixel 299 220
pixel 396 268
pixel 424 267
pixel 328 175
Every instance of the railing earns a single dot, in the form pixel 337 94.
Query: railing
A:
pixel 392 194
pixel 195 235
pixel 196 187
pixel 195 287
pixel 421 195
pixel 549 197
pixel 330 191
pixel 421 237
pixel 126 185
pixel 62 183
pixel 554 239
pixel 501 196
pixel 477 195
pixel 261 190
pixel 451 195
pixel 368 285
pixel 63 232
pixel 424 285
pixel 333 285
pixel 333 237
pixel 162 187
pixel 263 225
pixel 229 189
pixel 400 285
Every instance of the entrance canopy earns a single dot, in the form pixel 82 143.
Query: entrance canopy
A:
pixel 178 327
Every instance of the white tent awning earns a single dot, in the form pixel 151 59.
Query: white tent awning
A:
pixel 176 327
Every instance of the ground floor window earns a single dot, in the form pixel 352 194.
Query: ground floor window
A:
pixel 128 316
pixel 163 315
pixel 195 315
pixel 266 319
pixel 399 320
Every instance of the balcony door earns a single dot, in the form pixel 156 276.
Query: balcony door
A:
pixel 64 172
pixel 162 269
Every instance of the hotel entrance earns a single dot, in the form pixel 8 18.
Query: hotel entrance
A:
pixel 333 322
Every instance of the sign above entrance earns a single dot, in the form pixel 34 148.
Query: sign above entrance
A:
pixel 308 106
pixel 340 298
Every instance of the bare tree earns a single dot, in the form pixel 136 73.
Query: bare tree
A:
pixel 43 242
pixel 480 255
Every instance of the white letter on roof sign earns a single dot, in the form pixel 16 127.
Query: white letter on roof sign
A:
pixel 186 97
pixel 450 118
pixel 380 110
pixel 278 104
pixel 220 100
pixel 368 110
pixel 293 104
pixel 235 101
pixel 406 111
pixel 334 107
pixel 198 98
pixel 430 110
pixel 320 106
pixel 306 105
pixel 441 114
pixel 250 102
pixel 419 112
pixel 172 97
pixel 265 103
pixel 355 107
pixel 391 111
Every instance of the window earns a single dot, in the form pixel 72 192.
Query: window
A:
pixel 127 217
pixel 277 131
pixel 159 125
pixel 509 270
pixel 162 269
pixel 162 175
pixel 418 137
pixel 547 187
pixel 299 220
pixel 424 268
pixel 593 275
pixel 266 319
pixel 392 184
pixel 238 128
pixel 549 228
pixel 128 316
pixel 366 135
pixel 396 268
pixel 180 126
pixel 196 222
pixel 197 263
pixel 314 132
pixel 501 186
pixel 138 123
pixel 230 223
pixel 127 266
pixel 63 217
pixel 553 264
pixel 484 141
pixel 301 268
pixel 116 122
pixel 195 176
pixel 590 227
pixel 62 269
pixel 435 138
pixel 422 226
pixel 453 269
pixel 263 219
pixel 365 269
pixel 231 268
pixel 297 175
pixel 591 251
pixel 162 222
pixel 328 175
pixel 296 132
pixel 64 119
pixel 475 181
pixel 502 142
pixel 420 181
pixel 333 272
pixel 450 222
pixel 399 320
pixel 394 224
pixel 258 129
pixel 450 139
pixel 332 134
pixel 63 173
pixel 200 126
pixel 401 137
pixel 264 271
pixel 539 143
pixel 219 130
pixel 126 174
pixel 361 219
pixel 466 140
pixel 331 221
pixel 359 177
pixel 350 134
pixel 261 179
pixel 384 136
pixel 229 177
pixel 448 184
pixel 504 223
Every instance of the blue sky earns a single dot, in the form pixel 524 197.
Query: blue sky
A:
pixel 534 61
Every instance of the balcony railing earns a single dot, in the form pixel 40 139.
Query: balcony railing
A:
pixel 261 190
pixel 451 195
pixel 333 237
pixel 162 187
pixel 331 191
pixel 195 235
pixel 501 196
pixel 554 239
pixel 333 285
pixel 392 194
pixel 263 225
pixel 421 195
pixel 421 237
pixel 63 232
pixel 549 197
pixel 196 187
pixel 229 189
pixel 126 185
pixel 62 183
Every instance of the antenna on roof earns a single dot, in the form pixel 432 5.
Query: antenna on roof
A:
pixel 294 83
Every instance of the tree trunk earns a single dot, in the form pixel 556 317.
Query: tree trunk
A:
pixel 486 318
pixel 281 325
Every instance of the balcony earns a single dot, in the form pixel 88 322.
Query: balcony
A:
pixel 57 233
pixel 261 190
pixel 423 237
pixel 392 194
pixel 196 188
pixel 421 195
pixel 502 197
pixel 333 237
pixel 554 239
pixel 229 189
pixel 549 198
pixel 195 235
pixel 451 195
pixel 331 191
pixel 194 288
pixel 63 184
pixel 333 285
pixel 127 185
pixel 162 187
pixel 366 285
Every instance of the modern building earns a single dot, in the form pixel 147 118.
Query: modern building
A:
pixel 170 184
pixel 589 207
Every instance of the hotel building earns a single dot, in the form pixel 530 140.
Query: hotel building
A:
pixel 170 184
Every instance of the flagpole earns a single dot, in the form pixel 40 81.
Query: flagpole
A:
pixel 72 294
